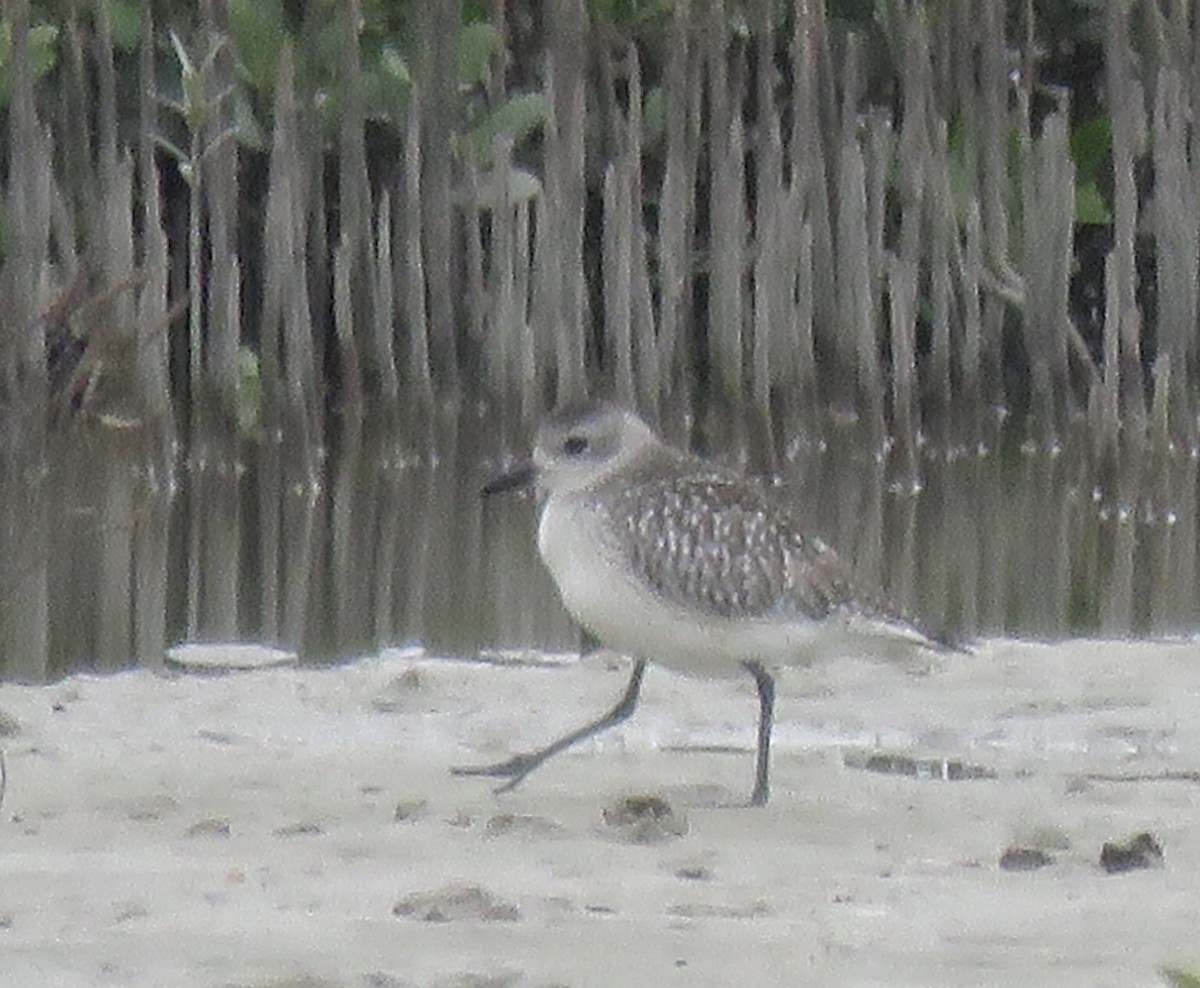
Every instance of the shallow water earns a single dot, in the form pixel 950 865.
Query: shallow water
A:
pixel 384 540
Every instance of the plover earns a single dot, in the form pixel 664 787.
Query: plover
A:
pixel 668 558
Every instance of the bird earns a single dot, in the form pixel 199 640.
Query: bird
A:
pixel 669 558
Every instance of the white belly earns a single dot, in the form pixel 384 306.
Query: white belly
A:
pixel 626 615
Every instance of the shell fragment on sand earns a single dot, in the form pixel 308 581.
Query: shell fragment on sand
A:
pixel 211 657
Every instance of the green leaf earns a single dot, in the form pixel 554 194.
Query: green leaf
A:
pixel 517 118
pixel 386 85
pixel 1090 207
pixel 43 48
pixel 43 54
pixel 393 65
pixel 186 68
pixel 1091 147
pixel 259 34
pixel 248 130
pixel 125 19
pixel 171 148
pixel 476 44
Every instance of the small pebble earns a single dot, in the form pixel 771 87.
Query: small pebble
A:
pixel 1025 859
pixel 409 809
pixel 1140 851
pixel 212 827
pixel 645 819
pixel 455 903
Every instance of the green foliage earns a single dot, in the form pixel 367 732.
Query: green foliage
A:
pixel 476 10
pixel 43 54
pixel 197 104
pixel 1178 977
pixel 517 118
pixel 961 160
pixel 259 33
pixel 125 20
pixel 248 400
pixel 387 84
pixel 1091 149
pixel 1090 206
pixel 392 64
pixel 477 43
pixel 1091 146
pixel 260 30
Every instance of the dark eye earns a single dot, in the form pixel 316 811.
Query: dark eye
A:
pixel 574 445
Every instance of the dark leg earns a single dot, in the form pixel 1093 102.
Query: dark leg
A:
pixel 519 766
pixel 766 717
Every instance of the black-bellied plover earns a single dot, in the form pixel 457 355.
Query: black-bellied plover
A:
pixel 668 558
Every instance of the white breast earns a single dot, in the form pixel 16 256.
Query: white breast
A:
pixel 603 595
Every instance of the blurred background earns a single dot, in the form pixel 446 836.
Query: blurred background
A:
pixel 285 282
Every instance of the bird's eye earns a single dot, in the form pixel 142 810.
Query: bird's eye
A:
pixel 574 445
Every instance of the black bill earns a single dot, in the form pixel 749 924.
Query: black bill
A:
pixel 520 478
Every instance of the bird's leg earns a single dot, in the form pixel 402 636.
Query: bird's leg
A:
pixel 516 768
pixel 766 717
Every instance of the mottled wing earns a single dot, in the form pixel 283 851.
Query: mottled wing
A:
pixel 715 544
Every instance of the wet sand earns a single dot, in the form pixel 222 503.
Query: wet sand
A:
pixel 298 827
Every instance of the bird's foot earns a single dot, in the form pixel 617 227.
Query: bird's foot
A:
pixel 760 796
pixel 514 770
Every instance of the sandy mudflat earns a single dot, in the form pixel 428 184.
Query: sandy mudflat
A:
pixel 263 828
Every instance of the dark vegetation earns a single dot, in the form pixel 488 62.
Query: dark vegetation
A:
pixel 256 213
pixel 853 238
